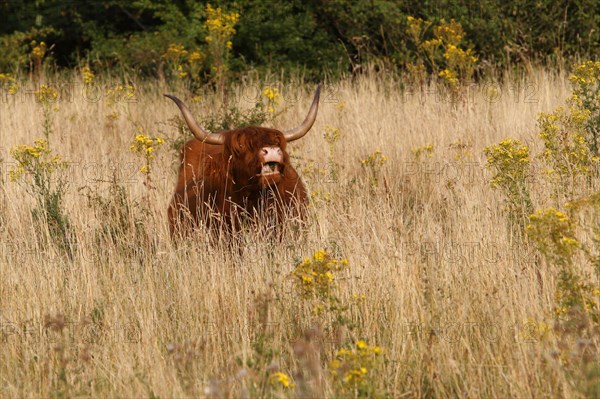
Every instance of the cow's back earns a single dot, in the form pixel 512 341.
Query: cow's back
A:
pixel 195 158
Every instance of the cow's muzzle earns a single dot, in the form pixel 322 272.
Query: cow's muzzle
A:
pixel 271 161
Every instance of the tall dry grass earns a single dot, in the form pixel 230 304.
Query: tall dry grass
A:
pixel 450 292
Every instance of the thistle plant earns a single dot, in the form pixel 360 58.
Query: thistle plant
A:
pixel 354 370
pixel 509 160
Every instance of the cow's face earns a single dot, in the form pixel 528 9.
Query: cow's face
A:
pixel 260 153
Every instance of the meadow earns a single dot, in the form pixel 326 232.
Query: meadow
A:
pixel 433 287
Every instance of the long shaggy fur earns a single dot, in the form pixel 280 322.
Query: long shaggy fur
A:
pixel 220 184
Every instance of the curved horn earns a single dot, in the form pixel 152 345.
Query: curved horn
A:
pixel 197 130
pixel 298 132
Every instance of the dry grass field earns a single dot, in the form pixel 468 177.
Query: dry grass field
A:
pixel 458 302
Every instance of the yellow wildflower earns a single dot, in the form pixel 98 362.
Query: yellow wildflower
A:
pixel 280 379
pixel 320 255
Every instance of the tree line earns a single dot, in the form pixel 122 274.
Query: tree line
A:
pixel 314 37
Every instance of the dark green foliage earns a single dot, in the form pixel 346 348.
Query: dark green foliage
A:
pixel 288 35
pixel 233 118
pixel 314 37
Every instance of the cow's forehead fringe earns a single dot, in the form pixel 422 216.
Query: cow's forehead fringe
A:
pixel 256 135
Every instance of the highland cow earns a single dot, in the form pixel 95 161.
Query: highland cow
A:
pixel 236 175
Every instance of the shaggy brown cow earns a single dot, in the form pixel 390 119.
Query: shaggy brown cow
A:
pixel 242 173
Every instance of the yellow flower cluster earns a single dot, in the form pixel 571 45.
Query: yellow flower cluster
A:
pixel 457 56
pixel 281 380
pixel 272 95
pixel 450 77
pixel 87 75
pixel 46 94
pixel 431 46
pixel 416 72
pixel 34 159
pixel 351 367
pixel 220 25
pixel 554 233
pixel 119 93
pixel 38 51
pixel 450 33
pixel 417 28
pixel 195 57
pixel 586 98
pixel 535 331
pixel 315 277
pixel 510 160
pixel 10 82
pixel 184 62
pixel 39 148
pixel 331 135
pixel 318 195
pixel 426 149
pixel 376 159
pixel 454 65
pixel 373 165
pixel 175 52
pixel 563 133
pixel 146 146
pixel 586 73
